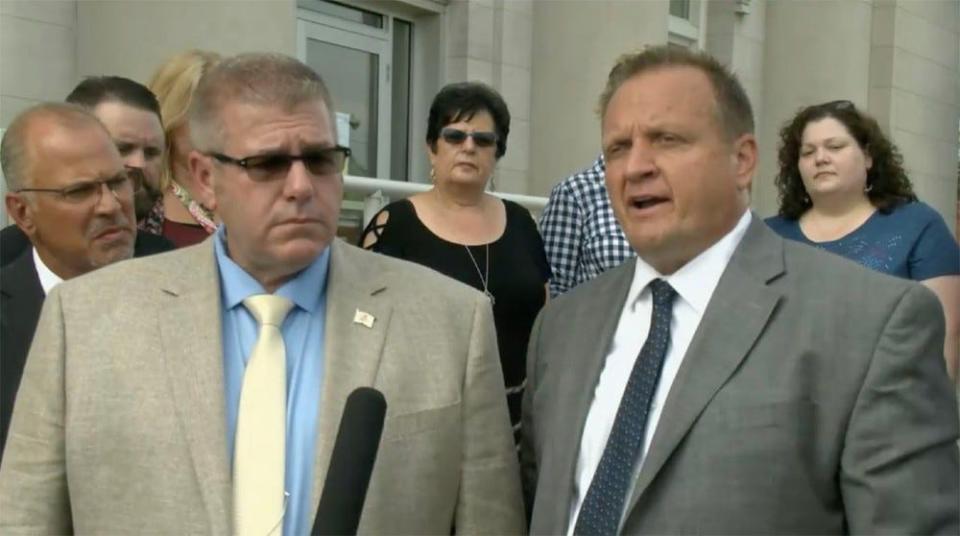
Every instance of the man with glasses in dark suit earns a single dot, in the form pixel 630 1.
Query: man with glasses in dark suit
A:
pixel 131 114
pixel 70 195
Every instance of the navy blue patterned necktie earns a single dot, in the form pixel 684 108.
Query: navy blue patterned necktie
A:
pixel 603 506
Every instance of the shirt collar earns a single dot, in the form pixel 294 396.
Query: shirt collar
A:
pixel 48 279
pixel 696 280
pixel 305 290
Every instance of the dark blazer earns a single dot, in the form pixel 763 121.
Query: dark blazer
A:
pixel 813 399
pixel 21 298
pixel 13 242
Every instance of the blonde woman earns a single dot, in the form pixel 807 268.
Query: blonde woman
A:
pixel 177 215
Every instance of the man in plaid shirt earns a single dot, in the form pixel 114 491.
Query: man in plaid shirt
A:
pixel 580 234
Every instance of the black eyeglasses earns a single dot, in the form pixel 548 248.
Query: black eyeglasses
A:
pixel 455 136
pixel 268 167
pixel 122 186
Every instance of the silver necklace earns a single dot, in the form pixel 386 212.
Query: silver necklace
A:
pixel 485 275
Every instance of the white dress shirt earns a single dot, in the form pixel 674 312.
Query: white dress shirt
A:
pixel 694 284
pixel 48 279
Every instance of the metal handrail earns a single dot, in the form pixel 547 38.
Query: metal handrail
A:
pixel 379 192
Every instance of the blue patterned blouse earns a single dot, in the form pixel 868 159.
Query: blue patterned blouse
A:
pixel 912 241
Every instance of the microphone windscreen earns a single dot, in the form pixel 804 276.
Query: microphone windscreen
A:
pixel 351 463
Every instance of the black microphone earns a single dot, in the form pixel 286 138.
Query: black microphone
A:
pixel 351 463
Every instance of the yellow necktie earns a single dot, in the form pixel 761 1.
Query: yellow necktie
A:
pixel 259 449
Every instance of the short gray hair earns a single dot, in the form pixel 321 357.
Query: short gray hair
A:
pixel 258 78
pixel 15 147
pixel 735 114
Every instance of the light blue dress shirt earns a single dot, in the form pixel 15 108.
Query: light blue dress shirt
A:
pixel 303 336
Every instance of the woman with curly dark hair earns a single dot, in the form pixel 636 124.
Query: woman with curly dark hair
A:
pixel 842 188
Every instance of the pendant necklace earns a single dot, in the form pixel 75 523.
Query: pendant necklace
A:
pixel 485 275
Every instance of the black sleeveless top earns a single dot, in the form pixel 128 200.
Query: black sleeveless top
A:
pixel 516 275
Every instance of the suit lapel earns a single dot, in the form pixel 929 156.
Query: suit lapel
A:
pixel 735 317
pixel 599 315
pixel 190 323
pixel 353 345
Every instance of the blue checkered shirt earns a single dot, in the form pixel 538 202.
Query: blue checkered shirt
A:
pixel 580 234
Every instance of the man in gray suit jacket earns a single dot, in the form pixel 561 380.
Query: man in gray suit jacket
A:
pixel 134 403
pixel 726 381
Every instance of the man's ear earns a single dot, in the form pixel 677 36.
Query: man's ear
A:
pixel 745 160
pixel 23 213
pixel 201 170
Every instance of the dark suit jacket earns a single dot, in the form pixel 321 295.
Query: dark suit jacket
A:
pixel 13 242
pixel 813 399
pixel 21 298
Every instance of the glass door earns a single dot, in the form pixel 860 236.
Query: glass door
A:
pixel 356 68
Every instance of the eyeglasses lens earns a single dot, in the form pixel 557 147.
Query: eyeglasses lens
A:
pixel 455 136
pixel 122 185
pixel 323 162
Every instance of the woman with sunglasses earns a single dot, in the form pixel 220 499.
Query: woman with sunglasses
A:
pixel 461 231
pixel 842 188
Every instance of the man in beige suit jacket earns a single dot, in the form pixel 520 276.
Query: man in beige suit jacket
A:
pixel 121 422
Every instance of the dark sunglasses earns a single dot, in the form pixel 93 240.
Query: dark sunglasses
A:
pixel 455 136
pixel 268 167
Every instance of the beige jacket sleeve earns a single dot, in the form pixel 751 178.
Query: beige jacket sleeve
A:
pixel 33 480
pixel 489 498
